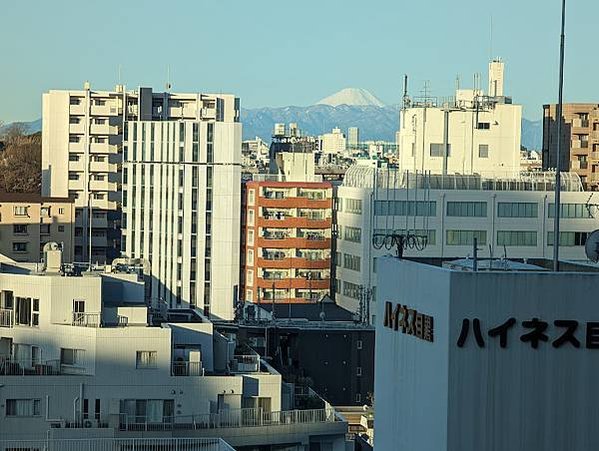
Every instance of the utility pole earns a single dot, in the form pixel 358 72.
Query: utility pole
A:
pixel 557 209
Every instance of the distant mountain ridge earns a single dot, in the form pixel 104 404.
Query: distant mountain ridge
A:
pixel 350 107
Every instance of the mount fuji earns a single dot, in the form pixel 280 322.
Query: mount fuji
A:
pixel 353 97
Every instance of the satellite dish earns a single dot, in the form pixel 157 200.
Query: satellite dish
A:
pixel 591 247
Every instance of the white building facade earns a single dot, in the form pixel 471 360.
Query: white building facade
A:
pixel 181 210
pixel 473 132
pixel 487 360
pixel 334 142
pixel 510 218
pixel 82 151
pixel 83 357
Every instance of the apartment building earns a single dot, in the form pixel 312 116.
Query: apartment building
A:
pixel 442 215
pixel 286 243
pixel 579 150
pixel 181 210
pixel 472 132
pixel 82 149
pixel 83 356
pixel 29 221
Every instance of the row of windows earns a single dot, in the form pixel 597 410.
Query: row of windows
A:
pixel 405 208
pixel 513 238
pixel 353 206
pixel 466 237
pixel 467 209
pixel 351 290
pixel 430 235
pixel 352 262
pixel 479 209
pixel 438 150
pixel 353 234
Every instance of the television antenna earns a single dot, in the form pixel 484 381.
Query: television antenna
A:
pixel 591 247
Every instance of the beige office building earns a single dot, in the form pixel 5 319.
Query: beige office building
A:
pixel 580 141
pixel 29 221
pixel 82 147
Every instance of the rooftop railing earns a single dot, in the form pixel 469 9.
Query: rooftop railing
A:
pixel 254 417
pixel 187 369
pixel 110 444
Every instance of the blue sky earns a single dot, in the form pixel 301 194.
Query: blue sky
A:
pixel 275 53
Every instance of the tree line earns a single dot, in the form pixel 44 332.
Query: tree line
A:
pixel 20 160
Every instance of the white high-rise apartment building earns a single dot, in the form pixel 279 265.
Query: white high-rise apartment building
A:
pixel 82 138
pixel 471 133
pixel 510 218
pixel 181 208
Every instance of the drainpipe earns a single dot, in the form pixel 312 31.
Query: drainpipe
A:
pixel 75 409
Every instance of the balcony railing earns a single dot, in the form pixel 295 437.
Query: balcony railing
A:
pixel 246 363
pixel 12 367
pixel 228 419
pixel 86 319
pixel 7 317
pixel 187 369
pixel 78 444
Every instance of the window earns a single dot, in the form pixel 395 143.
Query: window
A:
pixel 353 234
pixel 61 228
pixel 516 238
pixel 27 311
pixel 249 280
pixel 73 176
pixel 250 257
pixel 483 151
pixel 517 210
pixel 19 247
pixel 353 206
pixel 251 217
pixel 568 239
pixel 250 237
pixel 404 208
pixel 23 407
pixel 21 210
pixel 71 356
pixel 572 211
pixel 483 126
pixel 466 237
pixel 351 290
pixel 338 258
pixel 45 229
pixel 19 229
pixel 358 371
pixel 74 157
pixel 145 359
pixel 358 395
pixel 467 209
pixel 359 344
pixel 438 150
pixel 351 262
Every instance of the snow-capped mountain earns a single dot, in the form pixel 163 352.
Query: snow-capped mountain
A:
pixel 352 97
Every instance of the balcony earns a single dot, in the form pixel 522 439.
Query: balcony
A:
pixel 12 367
pixel 103 148
pixel 7 317
pixel 77 129
pixel 103 129
pixel 295 202
pixel 77 147
pixel 295 262
pixel 298 282
pixel 86 319
pixel 102 185
pixel 102 166
pixel 77 109
pixel 293 222
pixel 105 110
pixel 295 243
pixel 187 369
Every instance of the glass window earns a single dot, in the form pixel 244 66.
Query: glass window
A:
pixel 353 206
pixel 516 238
pixel 483 151
pixel 467 209
pixel 146 359
pixel 466 237
pixel 568 239
pixel 23 407
pixel 351 290
pixel 517 210
pixel 353 234
pixel 572 211
pixel 438 150
pixel 351 262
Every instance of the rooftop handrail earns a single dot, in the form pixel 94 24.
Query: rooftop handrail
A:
pixel 234 418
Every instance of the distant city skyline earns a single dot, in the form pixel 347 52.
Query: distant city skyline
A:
pixel 274 56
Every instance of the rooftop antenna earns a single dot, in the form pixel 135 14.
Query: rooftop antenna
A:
pixel 491 38
pixel 406 98
pixel 168 78
pixel 559 141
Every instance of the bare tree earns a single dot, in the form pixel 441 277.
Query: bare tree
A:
pixel 14 131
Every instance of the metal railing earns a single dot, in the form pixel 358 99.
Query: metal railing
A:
pixel 253 417
pixel 86 319
pixel 121 444
pixel 7 317
pixel 13 367
pixel 187 369
pixel 246 363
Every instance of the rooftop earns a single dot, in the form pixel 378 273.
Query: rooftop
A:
pixel 369 176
